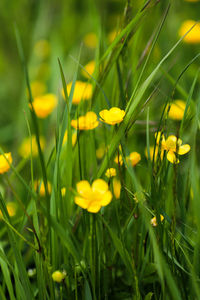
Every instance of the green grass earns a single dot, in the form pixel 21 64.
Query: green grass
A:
pixel 115 253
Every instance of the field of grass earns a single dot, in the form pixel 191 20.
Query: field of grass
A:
pixel 99 150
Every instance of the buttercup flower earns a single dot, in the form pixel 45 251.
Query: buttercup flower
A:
pixel 100 151
pixel 25 148
pixel 118 159
pixel 87 122
pixel 193 37
pixel 58 276
pixel 44 105
pixel 174 146
pixel 113 116
pixel 90 40
pixel 4 165
pixel 176 111
pixel 93 197
pixel 116 188
pixel 82 91
pixel 11 208
pixel 90 67
pixel 134 158
pixel 111 172
pixel 151 150
pixel 154 221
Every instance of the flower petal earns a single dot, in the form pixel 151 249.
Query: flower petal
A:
pixel 82 202
pixel 183 149
pixel 106 199
pixel 84 188
pixel 99 186
pixel 94 207
pixel 172 157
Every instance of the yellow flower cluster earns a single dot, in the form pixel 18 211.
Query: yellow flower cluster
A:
pixel 111 172
pixel 112 116
pixel 93 197
pixel 44 105
pixel 87 122
pixel 4 165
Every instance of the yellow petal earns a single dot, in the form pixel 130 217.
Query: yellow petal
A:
pixel 183 149
pixel 94 207
pixel 82 202
pixel 116 188
pixel 84 188
pixel 172 157
pixel 106 198
pixel 100 186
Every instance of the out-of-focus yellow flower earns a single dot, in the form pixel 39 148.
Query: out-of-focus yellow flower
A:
pixel 63 192
pixel 44 105
pixel 134 158
pixel 90 67
pixel 58 276
pixel 82 91
pixel 90 40
pixel 25 148
pixel 193 37
pixel 176 111
pixel 40 187
pixel 100 151
pixel 112 35
pixel 4 165
pixel 74 138
pixel 111 172
pixel 38 88
pixel 174 146
pixel 11 208
pixel 117 188
pixel 42 49
pixel 154 221
pixel 93 197
pixel 118 159
pixel 87 122
pixel 112 116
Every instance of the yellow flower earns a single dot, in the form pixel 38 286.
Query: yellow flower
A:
pixel 44 105
pixel 90 40
pixel 116 188
pixel 63 192
pixel 4 165
pixel 87 122
pixel 154 221
pixel 193 37
pixel 38 88
pixel 111 172
pixel 93 197
pixel 82 91
pixel 25 148
pixel 176 111
pixel 58 276
pixel 113 116
pixel 90 67
pixel 174 146
pixel 100 151
pixel 134 158
pixel 40 187
pixel 74 138
pixel 42 48
pixel 11 208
